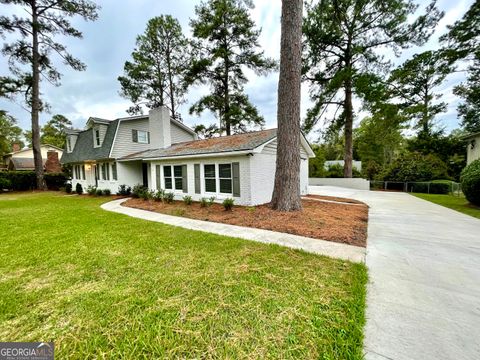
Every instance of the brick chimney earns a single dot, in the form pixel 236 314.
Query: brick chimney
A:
pixel 52 165
pixel 159 124
pixel 16 147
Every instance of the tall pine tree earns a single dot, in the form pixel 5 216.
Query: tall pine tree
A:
pixel 342 39
pixel 155 75
pixel 227 44
pixel 29 56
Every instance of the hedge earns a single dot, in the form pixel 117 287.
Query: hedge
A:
pixel 470 179
pixel 26 180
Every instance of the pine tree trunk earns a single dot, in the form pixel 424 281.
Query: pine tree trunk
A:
pixel 37 154
pixel 348 158
pixel 286 192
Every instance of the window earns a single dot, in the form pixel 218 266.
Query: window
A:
pixel 69 144
pixel 97 137
pixel 114 171
pixel 210 179
pixel 143 137
pixel 76 172
pixel 177 172
pixel 225 175
pixel 140 136
pixel 167 174
pixel 83 172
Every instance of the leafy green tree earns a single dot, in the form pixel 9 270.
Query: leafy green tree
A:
pixel 415 83
pixel 206 132
pixel 53 132
pixel 412 166
pixel 316 165
pixel 378 139
pixel 10 133
pixel 155 75
pixel 227 44
pixel 29 56
pixel 462 42
pixel 342 39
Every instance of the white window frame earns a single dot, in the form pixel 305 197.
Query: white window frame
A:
pixel 172 169
pixel 140 135
pixel 204 178
pixel 114 166
pixel 230 178
pixel 69 144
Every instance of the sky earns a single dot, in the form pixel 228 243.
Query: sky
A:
pixel 108 42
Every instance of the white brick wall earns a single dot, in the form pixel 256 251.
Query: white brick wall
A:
pixel 244 167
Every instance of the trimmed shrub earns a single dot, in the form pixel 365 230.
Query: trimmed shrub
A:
pixel 55 181
pixel 91 190
pixel 211 200
pixel 187 199
pixel 470 180
pixel 228 204
pixel 20 180
pixel 168 197
pixel 5 184
pixel 203 202
pixel 158 196
pixel 99 192
pixel 124 190
pixel 79 189
pixel 68 188
pixel 107 192
pixel 147 194
pixel 138 190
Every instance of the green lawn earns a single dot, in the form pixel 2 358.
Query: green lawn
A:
pixel 458 203
pixel 103 285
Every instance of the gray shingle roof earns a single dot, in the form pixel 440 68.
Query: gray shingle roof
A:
pixel 84 149
pixel 240 142
pixel 23 163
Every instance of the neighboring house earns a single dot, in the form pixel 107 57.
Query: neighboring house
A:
pixel 22 159
pixel 355 164
pixel 473 147
pixel 162 153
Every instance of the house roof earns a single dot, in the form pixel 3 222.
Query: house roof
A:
pixel 29 148
pixel 223 144
pixel 23 163
pixel 472 135
pixel 84 150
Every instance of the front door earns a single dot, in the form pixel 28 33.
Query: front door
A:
pixel 145 174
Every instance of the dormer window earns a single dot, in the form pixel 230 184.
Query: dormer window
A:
pixel 69 144
pixel 140 136
pixel 97 137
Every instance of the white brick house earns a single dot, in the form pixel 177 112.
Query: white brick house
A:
pixel 162 153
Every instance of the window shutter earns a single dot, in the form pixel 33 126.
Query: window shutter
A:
pixel 236 178
pixel 184 179
pixel 157 176
pixel 148 137
pixel 196 169
pixel 134 135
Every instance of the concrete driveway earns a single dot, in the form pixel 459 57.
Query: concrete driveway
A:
pixel 423 297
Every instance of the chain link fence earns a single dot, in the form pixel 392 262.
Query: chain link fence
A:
pixel 426 187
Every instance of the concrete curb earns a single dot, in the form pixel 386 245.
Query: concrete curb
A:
pixel 316 246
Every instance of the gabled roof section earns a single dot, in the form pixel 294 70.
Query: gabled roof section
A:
pixel 223 144
pixel 23 163
pixel 84 149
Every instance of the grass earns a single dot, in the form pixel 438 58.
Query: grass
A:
pixel 458 203
pixel 103 285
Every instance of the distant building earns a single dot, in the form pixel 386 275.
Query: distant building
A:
pixel 355 164
pixel 473 147
pixel 22 159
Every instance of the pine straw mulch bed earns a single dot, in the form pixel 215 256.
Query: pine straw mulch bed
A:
pixel 320 220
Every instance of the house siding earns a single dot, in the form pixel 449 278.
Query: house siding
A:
pixel 180 135
pixel 123 144
pixel 244 167
pixel 473 154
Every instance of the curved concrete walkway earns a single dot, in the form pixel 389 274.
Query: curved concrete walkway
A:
pixel 321 247
pixel 423 297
